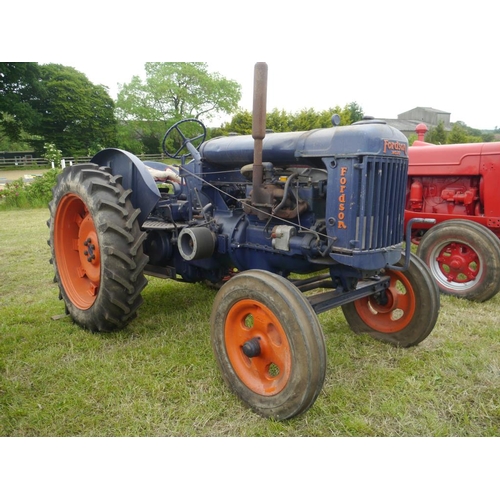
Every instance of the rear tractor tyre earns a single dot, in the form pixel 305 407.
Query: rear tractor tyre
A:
pixel 96 246
pixel 405 313
pixel 464 258
pixel 269 344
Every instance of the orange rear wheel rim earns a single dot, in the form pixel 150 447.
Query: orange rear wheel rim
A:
pixel 266 373
pixel 76 250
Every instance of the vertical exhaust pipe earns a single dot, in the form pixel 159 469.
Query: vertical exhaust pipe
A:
pixel 259 131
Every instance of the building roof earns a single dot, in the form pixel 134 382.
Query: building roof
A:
pixel 427 108
pixel 404 125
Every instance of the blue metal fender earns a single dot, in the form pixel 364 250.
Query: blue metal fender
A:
pixel 145 193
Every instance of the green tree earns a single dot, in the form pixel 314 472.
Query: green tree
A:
pixel 437 134
pixel 7 144
pixel 487 137
pixel 458 135
pixel 76 115
pixel 307 119
pixel 473 134
pixel 350 113
pixel 356 112
pixel 54 104
pixel 279 121
pixel 325 117
pixel 20 87
pixel 241 123
pixel 412 138
pixel 128 140
pixel 173 91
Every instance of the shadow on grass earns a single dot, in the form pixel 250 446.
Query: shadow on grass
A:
pixel 169 307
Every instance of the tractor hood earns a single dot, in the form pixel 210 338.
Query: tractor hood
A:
pixel 367 137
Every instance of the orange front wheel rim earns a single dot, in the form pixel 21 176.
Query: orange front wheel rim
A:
pixel 393 310
pixel 77 252
pixel 257 347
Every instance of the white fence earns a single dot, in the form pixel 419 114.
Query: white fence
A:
pixel 29 161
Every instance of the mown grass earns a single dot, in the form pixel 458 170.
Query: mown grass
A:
pixel 158 377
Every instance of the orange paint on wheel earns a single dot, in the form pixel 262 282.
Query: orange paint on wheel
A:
pixel 397 313
pixel 76 250
pixel 266 373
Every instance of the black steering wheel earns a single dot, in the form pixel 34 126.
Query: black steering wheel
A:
pixel 184 136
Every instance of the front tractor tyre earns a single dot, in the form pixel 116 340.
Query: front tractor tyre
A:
pixel 464 258
pixel 269 344
pixel 405 313
pixel 96 246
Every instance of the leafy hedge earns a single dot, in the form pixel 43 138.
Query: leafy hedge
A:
pixel 36 194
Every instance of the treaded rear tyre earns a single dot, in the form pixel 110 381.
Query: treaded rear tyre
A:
pixel 96 246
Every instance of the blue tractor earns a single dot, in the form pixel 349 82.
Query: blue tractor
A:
pixel 286 225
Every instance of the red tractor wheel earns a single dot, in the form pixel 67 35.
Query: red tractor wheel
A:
pixel 464 258
pixel 269 344
pixel 404 314
pixel 96 246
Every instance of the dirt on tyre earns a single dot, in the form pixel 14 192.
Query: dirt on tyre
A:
pixel 96 247
pixel 405 313
pixel 268 343
pixel 464 258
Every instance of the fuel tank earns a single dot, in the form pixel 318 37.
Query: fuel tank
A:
pixel 366 137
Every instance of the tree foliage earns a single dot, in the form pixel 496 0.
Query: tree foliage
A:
pixel 20 86
pixel 172 91
pixel 306 119
pixel 437 134
pixel 460 133
pixel 241 123
pixel 76 115
pixel 177 90
pixel 55 104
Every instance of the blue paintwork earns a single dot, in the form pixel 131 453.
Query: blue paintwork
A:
pixel 355 198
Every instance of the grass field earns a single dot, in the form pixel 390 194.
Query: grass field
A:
pixel 158 377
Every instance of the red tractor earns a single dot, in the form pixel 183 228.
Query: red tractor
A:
pixel 458 186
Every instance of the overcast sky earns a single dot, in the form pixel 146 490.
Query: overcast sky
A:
pixel 388 56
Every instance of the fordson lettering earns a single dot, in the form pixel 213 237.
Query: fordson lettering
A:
pixel 342 188
pixel 395 147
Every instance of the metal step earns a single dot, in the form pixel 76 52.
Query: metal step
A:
pixel 153 224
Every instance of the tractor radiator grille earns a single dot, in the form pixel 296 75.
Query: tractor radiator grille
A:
pixel 380 212
pixel 365 210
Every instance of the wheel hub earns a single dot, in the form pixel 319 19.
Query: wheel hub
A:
pixel 251 348
pixel 458 263
pixel 382 302
pixel 88 249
